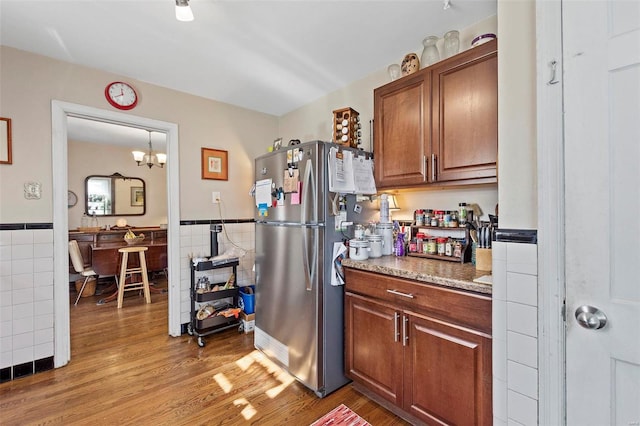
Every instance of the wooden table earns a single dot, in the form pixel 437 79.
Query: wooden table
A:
pixel 105 260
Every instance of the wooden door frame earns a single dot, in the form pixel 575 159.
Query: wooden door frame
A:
pixel 551 212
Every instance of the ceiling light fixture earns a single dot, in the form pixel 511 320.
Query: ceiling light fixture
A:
pixel 183 11
pixel 149 159
pixel 446 4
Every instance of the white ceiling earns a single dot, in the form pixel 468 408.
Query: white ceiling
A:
pixel 268 56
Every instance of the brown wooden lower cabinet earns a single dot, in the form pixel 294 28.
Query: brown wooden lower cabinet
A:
pixel 417 362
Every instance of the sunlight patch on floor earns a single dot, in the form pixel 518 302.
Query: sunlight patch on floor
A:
pixel 223 382
pixel 281 375
pixel 245 362
pixel 248 411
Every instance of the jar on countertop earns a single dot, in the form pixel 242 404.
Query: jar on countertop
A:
pixel 375 245
pixel 358 249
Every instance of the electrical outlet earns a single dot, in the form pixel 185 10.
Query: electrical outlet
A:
pixel 215 197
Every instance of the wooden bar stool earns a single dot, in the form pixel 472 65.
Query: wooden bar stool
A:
pixel 125 270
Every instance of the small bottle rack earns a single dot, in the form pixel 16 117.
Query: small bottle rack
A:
pixel 458 233
pixel 203 327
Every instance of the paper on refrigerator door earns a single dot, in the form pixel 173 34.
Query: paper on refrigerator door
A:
pixel 341 171
pixel 363 175
pixel 263 192
pixel 349 173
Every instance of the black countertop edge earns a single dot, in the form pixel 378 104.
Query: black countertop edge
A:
pixel 215 221
pixel 23 226
pixel 524 236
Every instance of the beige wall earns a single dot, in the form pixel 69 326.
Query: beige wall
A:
pixel 517 169
pixel 97 159
pixel 28 84
pixel 314 121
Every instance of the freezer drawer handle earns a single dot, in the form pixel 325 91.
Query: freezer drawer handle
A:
pixel 399 293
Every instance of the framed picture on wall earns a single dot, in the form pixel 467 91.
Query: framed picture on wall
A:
pixel 5 140
pixel 215 164
pixel 137 196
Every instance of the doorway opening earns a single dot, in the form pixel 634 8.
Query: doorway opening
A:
pixel 60 111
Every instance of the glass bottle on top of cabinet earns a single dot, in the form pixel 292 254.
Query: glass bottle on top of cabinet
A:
pixel 451 43
pixel 430 54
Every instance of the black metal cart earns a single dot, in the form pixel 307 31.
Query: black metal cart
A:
pixel 213 324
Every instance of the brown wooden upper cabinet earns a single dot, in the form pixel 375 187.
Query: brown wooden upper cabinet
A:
pixel 439 126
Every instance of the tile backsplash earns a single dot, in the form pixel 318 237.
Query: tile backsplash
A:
pixel 515 332
pixel 26 301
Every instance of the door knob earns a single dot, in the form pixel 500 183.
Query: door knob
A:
pixel 591 317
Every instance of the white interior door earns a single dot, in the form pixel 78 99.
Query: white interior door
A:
pixel 602 158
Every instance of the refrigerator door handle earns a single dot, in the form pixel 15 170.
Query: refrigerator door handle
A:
pixel 309 266
pixel 308 184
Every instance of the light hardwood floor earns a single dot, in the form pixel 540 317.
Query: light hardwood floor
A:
pixel 125 369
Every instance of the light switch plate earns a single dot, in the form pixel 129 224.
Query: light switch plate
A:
pixel 357 208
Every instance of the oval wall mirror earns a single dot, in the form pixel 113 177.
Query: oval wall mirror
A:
pixel 114 195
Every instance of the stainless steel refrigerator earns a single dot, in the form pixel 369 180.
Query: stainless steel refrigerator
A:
pixel 299 314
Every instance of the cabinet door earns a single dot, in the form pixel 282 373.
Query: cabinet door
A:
pixel 447 373
pixel 373 350
pixel 465 115
pixel 401 131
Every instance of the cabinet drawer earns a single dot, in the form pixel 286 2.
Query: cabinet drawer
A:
pixel 104 238
pixel 80 237
pixel 460 307
pixel 159 236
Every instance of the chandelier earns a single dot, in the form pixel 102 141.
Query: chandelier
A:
pixel 150 158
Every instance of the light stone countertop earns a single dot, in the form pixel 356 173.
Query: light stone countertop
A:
pixel 441 272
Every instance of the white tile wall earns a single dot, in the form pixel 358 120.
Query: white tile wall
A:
pixel 195 242
pixel 26 296
pixel 515 332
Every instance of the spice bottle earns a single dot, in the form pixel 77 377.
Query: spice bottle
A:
pixel 448 247
pixel 419 242
pixel 431 247
pixel 462 213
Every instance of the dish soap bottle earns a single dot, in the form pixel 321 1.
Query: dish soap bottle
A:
pixel 400 244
